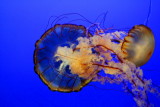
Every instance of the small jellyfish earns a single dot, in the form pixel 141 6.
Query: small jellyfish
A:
pixel 138 45
pixel 67 57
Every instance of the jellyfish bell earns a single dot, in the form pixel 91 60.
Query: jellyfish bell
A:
pixel 138 45
pixel 55 73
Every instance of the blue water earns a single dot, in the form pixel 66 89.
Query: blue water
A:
pixel 23 22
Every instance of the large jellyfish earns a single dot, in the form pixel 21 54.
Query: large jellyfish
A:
pixel 67 57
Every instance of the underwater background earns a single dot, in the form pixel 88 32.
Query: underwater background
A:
pixel 22 24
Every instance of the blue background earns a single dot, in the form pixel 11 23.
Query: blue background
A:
pixel 22 22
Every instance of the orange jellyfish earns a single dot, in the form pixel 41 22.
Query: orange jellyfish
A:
pixel 139 45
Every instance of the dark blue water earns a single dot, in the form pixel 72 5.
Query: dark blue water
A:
pixel 23 22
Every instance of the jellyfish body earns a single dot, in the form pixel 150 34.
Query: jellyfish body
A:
pixel 138 46
pixel 54 73
pixel 67 57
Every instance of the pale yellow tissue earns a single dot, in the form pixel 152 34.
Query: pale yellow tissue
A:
pixel 95 40
pixel 111 71
pixel 82 65
pixel 64 53
pixel 108 36
pixel 125 68
pixel 115 65
pixel 80 62
pixel 108 56
pixel 83 42
pixel 140 72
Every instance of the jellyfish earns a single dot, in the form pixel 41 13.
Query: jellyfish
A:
pixel 53 72
pixel 68 57
pixel 139 38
